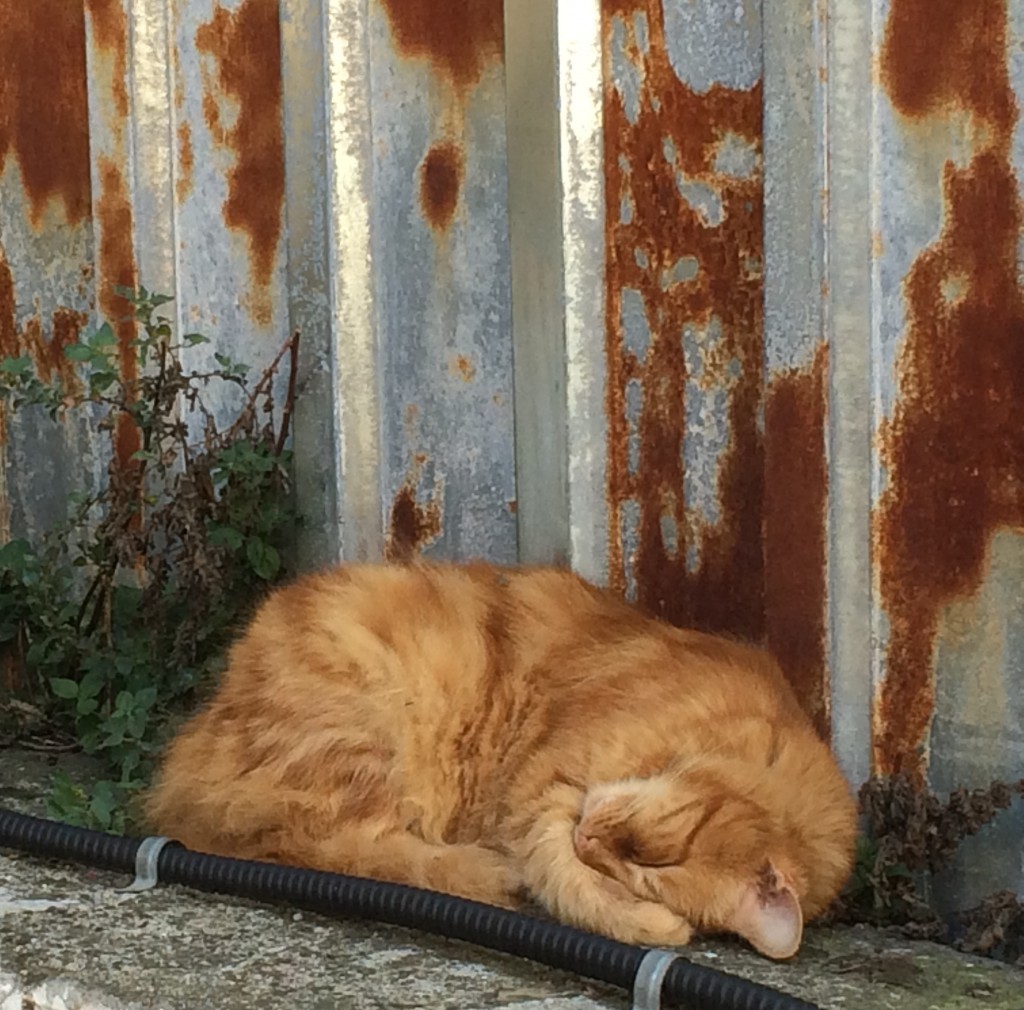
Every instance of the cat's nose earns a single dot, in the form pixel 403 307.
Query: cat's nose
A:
pixel 586 846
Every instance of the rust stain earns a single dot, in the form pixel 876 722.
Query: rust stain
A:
pixel 459 37
pixel 954 446
pixel 463 368
pixel 48 354
pixel 940 55
pixel 412 525
pixel 9 342
pixel 186 162
pixel 44 115
pixel 116 268
pixel 675 134
pixel 30 338
pixel 110 33
pixel 795 504
pixel 246 45
pixel 441 175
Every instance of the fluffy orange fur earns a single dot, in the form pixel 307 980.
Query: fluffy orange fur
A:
pixel 502 733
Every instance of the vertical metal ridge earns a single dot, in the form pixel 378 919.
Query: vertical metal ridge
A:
pixel 152 113
pixel 849 323
pixel 315 438
pixel 538 261
pixel 350 280
pixel 818 288
pixel 581 97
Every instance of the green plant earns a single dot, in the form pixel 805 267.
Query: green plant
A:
pixel 115 620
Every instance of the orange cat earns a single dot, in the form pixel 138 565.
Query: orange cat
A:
pixel 494 732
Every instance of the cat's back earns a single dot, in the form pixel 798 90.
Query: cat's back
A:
pixel 425 614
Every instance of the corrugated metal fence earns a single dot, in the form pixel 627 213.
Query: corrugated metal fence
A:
pixel 720 302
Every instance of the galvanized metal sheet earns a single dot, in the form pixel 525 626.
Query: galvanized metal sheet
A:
pixel 228 144
pixel 683 204
pixel 441 272
pixel 950 440
pixel 47 259
pixel 320 462
pixel 798 355
pixel 818 319
pixel 950 394
pixel 554 81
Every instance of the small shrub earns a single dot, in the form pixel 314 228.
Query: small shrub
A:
pixel 911 834
pixel 115 620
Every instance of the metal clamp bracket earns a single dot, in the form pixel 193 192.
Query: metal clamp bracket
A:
pixel 146 860
pixel 650 976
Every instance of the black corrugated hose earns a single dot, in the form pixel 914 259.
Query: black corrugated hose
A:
pixel 692 986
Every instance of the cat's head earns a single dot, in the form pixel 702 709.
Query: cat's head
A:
pixel 717 855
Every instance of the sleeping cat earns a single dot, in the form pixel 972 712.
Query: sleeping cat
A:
pixel 498 733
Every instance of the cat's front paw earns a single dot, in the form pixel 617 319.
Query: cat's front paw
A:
pixel 647 924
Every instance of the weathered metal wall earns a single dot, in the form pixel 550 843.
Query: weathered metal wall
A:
pixel 337 167
pixel 716 473
pixel 949 474
pixel 905 117
pixel 802 420
pixel 719 302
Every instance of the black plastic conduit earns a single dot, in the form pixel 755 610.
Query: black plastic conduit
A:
pixel 693 986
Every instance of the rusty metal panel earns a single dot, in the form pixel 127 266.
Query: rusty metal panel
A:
pixel 684 326
pixel 167 159
pixel 47 258
pixel 441 276
pixel 817 350
pixel 227 137
pixel 949 396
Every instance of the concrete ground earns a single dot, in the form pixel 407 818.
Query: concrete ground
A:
pixel 70 941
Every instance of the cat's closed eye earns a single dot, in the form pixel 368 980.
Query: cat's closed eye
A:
pixel 631 849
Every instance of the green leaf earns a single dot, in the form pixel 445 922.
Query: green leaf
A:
pixel 79 352
pixel 145 697
pixel 14 554
pixel 115 727
pixel 191 339
pixel 225 536
pixel 103 337
pixel 16 366
pixel 157 300
pixel 64 688
pixel 91 684
pixel 137 723
pixel 263 558
pixel 100 382
pixel 103 803
pixel 66 801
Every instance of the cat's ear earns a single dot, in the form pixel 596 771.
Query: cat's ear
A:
pixel 769 915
